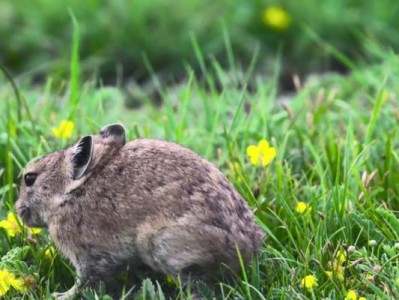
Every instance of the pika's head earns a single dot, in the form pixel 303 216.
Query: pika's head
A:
pixel 47 180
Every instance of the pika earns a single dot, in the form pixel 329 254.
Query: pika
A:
pixel 108 203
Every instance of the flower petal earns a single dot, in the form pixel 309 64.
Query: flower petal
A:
pixel 4 281
pixel 254 160
pixel 4 287
pixel 309 282
pixel 351 295
pixel 66 129
pixel 341 257
pixel 55 132
pixel 253 153
pixel 11 225
pixel 12 218
pixel 18 284
pixel 301 207
pixel 252 150
pixel 268 156
pixel 329 274
pixel 5 224
pixel 34 230
pixel 263 146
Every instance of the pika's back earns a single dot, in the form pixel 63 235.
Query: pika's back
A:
pixel 169 161
pixel 176 174
pixel 160 178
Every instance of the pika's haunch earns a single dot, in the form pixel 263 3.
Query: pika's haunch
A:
pixel 108 203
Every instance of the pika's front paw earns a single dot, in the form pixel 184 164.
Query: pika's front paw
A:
pixel 68 295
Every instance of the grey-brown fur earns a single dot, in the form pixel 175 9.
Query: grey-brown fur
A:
pixel 107 203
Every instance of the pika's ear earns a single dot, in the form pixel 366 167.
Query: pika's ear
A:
pixel 82 155
pixel 114 133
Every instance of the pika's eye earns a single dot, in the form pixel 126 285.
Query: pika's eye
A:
pixel 30 179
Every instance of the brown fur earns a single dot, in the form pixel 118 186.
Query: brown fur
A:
pixel 144 202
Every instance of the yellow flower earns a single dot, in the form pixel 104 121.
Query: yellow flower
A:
pixel 49 253
pixel 351 295
pixel 340 274
pixel 309 282
pixel 341 257
pixel 261 154
pixel 339 271
pixel 8 280
pixel 33 230
pixel 170 280
pixel 369 276
pixel 302 207
pixel 11 225
pixel 362 298
pixel 64 131
pixel 13 228
pixel 276 17
pixel 329 274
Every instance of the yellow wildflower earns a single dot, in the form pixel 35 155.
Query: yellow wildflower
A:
pixel 351 295
pixel 340 274
pixel 64 131
pixel 8 280
pixel 369 276
pixel 170 280
pixel 302 207
pixel 341 257
pixel 276 17
pixel 339 271
pixel 329 274
pixel 309 282
pixel 362 298
pixel 33 230
pixel 49 253
pixel 261 154
pixel 11 225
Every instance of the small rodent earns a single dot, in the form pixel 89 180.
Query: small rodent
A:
pixel 108 203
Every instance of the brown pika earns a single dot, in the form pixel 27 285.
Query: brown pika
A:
pixel 108 203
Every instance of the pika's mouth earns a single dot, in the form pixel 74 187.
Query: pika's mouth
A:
pixel 25 213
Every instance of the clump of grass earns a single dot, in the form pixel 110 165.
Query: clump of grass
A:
pixel 336 143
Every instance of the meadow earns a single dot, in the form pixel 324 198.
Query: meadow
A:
pixel 328 200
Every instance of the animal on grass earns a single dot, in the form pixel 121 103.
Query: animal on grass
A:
pixel 108 204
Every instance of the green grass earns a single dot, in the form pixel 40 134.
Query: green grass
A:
pixel 336 141
pixel 117 34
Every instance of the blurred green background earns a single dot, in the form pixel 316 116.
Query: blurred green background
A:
pixel 136 38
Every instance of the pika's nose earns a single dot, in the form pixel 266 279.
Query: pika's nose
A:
pixel 19 208
pixel 16 206
pixel 23 211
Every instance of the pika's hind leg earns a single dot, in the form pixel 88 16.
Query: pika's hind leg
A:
pixel 188 251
